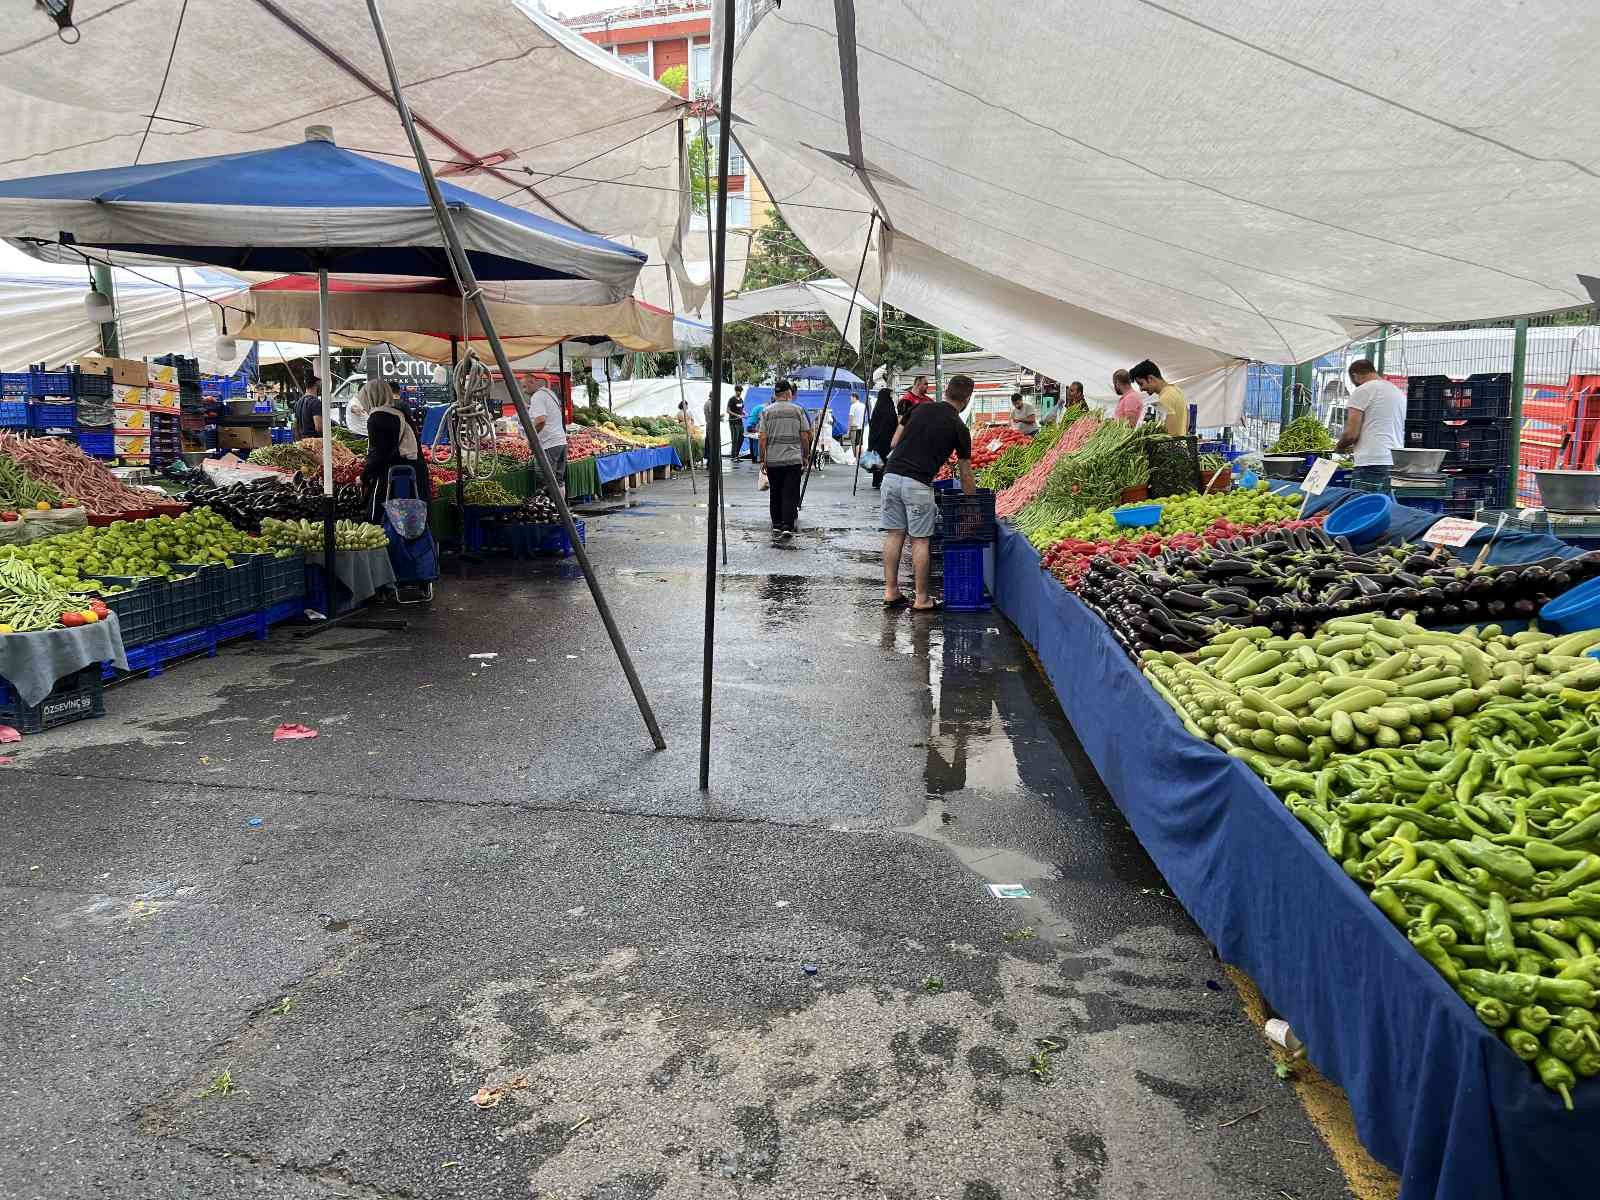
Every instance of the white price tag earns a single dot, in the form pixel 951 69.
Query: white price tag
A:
pixel 994 445
pixel 1317 479
pixel 1452 531
pixel 1528 514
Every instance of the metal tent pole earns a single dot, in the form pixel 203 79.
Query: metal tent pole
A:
pixel 469 279
pixel 719 483
pixel 329 506
pixel 719 264
pixel 683 400
pixel 833 375
pixel 463 556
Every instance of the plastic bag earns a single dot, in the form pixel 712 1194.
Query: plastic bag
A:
pixel 871 460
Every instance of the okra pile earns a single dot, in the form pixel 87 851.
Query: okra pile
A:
pixel 1456 778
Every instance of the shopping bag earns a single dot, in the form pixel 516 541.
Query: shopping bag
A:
pixel 871 460
pixel 412 551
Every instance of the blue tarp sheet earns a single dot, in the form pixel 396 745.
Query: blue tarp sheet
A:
pixel 1435 1094
pixel 614 466
pixel 1409 524
pixel 810 399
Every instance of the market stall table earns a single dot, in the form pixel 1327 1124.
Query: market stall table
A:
pixel 32 663
pixel 1434 1092
pixel 612 467
pixel 360 572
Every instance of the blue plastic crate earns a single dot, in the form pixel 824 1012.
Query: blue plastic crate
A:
pixel 51 383
pixel 54 418
pixel 287 610
pixel 964 589
pixel 964 518
pixel 92 383
pixel 527 540
pixel 282 436
pixel 15 383
pixel 253 624
pixel 1423 504
pixel 97 445
pixel 13 414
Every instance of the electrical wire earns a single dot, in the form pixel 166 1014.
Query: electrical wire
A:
pixel 162 91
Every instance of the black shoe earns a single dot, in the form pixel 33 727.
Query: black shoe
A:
pixel 786 535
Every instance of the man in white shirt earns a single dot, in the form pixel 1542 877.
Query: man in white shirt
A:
pixel 858 423
pixel 550 424
pixel 1374 427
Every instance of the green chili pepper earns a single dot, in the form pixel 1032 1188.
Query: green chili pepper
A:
pixel 1560 906
pixel 1447 935
pixel 1389 904
pixel 1587 1065
pixel 1492 1012
pixel 1523 1044
pixel 1556 1076
pixel 1535 1018
pixel 1584 872
pixel 1497 939
pixel 1586 968
pixel 1565 1044
pixel 1511 986
pixel 1505 863
pixel 1547 854
pixel 1585 830
pixel 1428 946
pixel 1554 947
pixel 1446 859
pixel 1579 992
pixel 1531 962
pixel 1583 1022
pixel 1448 898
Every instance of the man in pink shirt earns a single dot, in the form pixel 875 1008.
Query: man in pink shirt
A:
pixel 1130 400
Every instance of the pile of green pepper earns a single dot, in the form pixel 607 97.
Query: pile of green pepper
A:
pixel 1477 832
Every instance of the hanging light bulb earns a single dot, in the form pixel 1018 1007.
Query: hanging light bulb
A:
pixel 227 348
pixel 98 305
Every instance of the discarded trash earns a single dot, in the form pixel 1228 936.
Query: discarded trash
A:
pixel 1279 1034
pixel 255 822
pixel 1255 1112
pixel 811 968
pixel 488 654
pixel 292 733
pixel 781 904
pixel 932 983
pixel 1008 891
pixel 8 735
pixel 1213 985
pixel 6 762
pixel 487 1097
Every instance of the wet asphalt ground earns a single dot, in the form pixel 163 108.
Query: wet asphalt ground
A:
pixel 479 879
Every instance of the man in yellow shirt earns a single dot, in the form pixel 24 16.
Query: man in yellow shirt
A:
pixel 1174 409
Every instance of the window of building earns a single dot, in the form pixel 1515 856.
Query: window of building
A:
pixel 736 165
pixel 699 72
pixel 639 62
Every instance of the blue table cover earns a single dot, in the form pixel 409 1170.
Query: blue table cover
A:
pixel 1436 1095
pixel 614 466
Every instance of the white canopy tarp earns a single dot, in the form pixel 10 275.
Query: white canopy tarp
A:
pixel 1255 178
pixel 829 296
pixel 656 397
pixel 42 317
pixel 508 101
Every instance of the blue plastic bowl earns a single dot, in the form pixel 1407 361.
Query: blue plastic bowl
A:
pixel 1139 515
pixel 1576 609
pixel 1364 519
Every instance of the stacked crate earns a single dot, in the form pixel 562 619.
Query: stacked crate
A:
pixel 1470 420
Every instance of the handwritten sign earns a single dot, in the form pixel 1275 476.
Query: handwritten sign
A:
pixel 994 445
pixel 1319 477
pixel 1452 531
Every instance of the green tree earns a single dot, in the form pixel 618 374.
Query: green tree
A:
pixel 674 79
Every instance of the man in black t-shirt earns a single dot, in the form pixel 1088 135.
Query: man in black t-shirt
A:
pixel 308 411
pixel 921 447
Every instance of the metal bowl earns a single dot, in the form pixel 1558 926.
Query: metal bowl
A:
pixel 1284 466
pixel 1418 462
pixel 1569 491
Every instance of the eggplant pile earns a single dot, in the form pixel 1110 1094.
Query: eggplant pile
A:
pixel 1295 580
pixel 246 505
pixel 535 510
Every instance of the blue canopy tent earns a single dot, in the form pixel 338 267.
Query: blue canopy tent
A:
pixel 841 377
pixel 310 207
pixel 810 399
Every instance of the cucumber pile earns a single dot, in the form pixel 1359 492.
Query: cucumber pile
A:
pixel 1456 778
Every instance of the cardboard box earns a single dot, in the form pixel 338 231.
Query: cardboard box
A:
pixel 126 394
pixel 133 418
pixel 129 371
pixel 132 443
pixel 243 437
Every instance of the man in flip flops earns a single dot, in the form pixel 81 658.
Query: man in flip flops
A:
pixel 921 447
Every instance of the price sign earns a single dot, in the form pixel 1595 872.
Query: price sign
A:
pixel 1528 514
pixel 1317 479
pixel 1452 531
pixel 994 445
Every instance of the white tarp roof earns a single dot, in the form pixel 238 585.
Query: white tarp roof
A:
pixel 42 318
pixel 508 101
pixel 656 397
pixel 1251 178
pixel 829 296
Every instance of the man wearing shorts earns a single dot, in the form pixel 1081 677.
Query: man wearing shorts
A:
pixel 921 447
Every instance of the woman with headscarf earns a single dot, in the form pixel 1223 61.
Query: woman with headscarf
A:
pixel 880 432
pixel 391 442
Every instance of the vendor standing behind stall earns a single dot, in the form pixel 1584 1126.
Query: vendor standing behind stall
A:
pixel 391 442
pixel 308 411
pixel 1374 427
pixel 1174 408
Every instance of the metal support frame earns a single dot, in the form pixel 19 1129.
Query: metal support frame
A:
pixel 1519 378
pixel 469 280
pixel 1305 377
pixel 1383 347
pixel 838 357
pixel 719 265
pixel 1286 403
pixel 110 344
pixel 718 484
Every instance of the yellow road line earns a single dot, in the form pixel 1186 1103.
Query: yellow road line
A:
pixel 1328 1109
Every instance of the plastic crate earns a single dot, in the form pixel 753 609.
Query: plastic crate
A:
pixel 251 624
pixel 233 589
pixel 485 529
pixel 139 608
pixel 1474 445
pixel 1424 504
pixel 77 697
pixel 282 579
pixel 55 418
pixel 50 383
pixel 93 383
pixel 1440 398
pixel 97 445
pixel 528 539
pixel 285 610
pixel 964 589
pixel 964 518
pixel 16 383
pixel 1471 491
pixel 13 414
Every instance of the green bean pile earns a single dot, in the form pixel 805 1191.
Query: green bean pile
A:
pixel 27 603
pixel 1110 462
pixel 19 490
